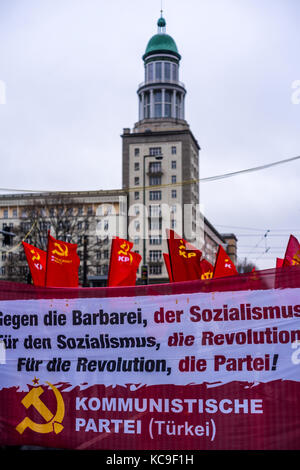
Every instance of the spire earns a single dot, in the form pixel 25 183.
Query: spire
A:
pixel 161 23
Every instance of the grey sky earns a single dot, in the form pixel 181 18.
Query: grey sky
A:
pixel 71 69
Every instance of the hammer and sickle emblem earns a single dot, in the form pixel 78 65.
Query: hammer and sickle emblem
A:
pixel 53 421
pixel 125 251
pixel 296 258
pixel 62 250
pixel 36 255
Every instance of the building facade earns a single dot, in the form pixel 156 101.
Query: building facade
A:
pixel 88 218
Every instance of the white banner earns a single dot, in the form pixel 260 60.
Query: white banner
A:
pixel 215 338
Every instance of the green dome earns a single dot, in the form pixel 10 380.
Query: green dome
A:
pixel 161 22
pixel 161 43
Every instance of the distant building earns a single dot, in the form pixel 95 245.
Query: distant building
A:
pixel 161 163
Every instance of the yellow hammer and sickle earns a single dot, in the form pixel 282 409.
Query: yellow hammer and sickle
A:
pixel 296 258
pixel 126 248
pixel 53 421
pixel 206 275
pixel 36 255
pixel 61 251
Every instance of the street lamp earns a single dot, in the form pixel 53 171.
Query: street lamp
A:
pixel 145 266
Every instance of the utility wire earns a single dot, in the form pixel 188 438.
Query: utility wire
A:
pixel 23 240
pixel 181 183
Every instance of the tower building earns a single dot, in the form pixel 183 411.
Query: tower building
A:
pixel 160 160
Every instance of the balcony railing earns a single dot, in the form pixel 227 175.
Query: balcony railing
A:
pixel 171 82
pixel 157 261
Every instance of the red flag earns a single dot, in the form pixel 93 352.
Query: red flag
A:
pixel 168 266
pixel 62 264
pixel 279 262
pixel 123 263
pixel 292 254
pixel 184 258
pixel 36 260
pixel 223 265
pixel 207 269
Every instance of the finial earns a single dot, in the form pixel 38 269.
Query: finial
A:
pixel 161 21
pixel 161 24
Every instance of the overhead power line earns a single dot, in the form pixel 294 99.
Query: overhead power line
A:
pixel 181 183
pixel 248 170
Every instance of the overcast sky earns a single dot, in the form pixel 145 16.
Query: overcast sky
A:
pixel 71 68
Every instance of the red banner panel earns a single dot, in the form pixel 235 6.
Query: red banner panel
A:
pixel 201 365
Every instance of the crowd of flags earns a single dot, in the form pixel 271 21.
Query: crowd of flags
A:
pixel 59 265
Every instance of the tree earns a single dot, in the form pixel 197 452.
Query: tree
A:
pixel 68 220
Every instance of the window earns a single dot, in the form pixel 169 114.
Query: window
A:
pixel 155 195
pixel 137 225
pixel 105 254
pixel 168 103
pixel 158 103
pixel 155 167
pixel 136 166
pixel 105 225
pixel 136 181
pixel 147 105
pixel 174 72
pixel 90 210
pixel 15 212
pixel 136 152
pixel 178 105
pixel 155 151
pixel 174 193
pixel 167 71
pixel 154 224
pixel 173 150
pixel 173 164
pixel 155 239
pixel 136 195
pixel 136 240
pixel 3 256
pixel 154 180
pixel 155 269
pixel 173 223
pixel 173 209
pixel 155 255
pixel 158 70
pixel 5 213
pixel 173 178
pixel 150 72
pixel 155 210
pixel 136 210
pixel 80 211
pixel 3 270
